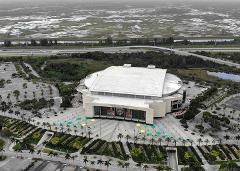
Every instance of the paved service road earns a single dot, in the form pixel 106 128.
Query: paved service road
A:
pixel 172 160
pixel 122 49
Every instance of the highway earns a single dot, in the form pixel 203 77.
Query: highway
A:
pixel 49 52
pixel 121 49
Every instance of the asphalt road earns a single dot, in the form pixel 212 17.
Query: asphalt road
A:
pixel 122 49
pixel 210 49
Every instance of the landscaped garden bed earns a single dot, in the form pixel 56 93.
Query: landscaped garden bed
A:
pixel 222 152
pixel 35 136
pixel 67 143
pixel 187 155
pixel 17 128
pixel 101 147
pixel 147 153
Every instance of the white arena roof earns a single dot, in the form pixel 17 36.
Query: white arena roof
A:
pixel 133 81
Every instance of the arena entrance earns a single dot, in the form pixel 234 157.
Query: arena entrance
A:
pixel 119 113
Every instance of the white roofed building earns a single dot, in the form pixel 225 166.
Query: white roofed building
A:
pixel 131 93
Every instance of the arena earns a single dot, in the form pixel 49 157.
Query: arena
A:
pixel 131 93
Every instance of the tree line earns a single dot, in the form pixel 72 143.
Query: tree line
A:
pixel 109 41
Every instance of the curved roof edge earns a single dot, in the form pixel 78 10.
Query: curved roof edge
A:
pixel 134 80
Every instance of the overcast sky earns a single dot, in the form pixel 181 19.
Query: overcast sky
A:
pixel 22 3
pixel 10 1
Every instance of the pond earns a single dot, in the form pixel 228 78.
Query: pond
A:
pixel 225 76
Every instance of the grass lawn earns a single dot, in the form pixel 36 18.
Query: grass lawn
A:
pixel 196 73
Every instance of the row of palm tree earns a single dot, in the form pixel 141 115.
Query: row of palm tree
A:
pixel 53 127
pixel 106 163
pixel 154 141
pixel 170 139
pixel 126 165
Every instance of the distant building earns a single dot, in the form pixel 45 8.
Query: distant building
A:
pixel 131 93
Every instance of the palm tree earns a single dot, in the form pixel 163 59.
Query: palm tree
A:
pixel 190 141
pixel 92 162
pixel 68 130
pixel 61 129
pixel 44 124
pixel 2 150
pixel 55 154
pixel 168 139
pixel 67 156
pixel 145 167
pixel 34 94
pixel 152 140
pixel 184 142
pixel 199 140
pixel 50 153
pixel 100 162
pixel 44 142
pixel 226 137
pixel 160 141
pixel 120 136
pixel 29 120
pixel 206 141
pixel 139 164
pixel 12 140
pixel 220 141
pixel 39 152
pixel 237 138
pixel 107 163
pixel 126 164
pixel 31 150
pixel 9 97
pixel 144 139
pixel 42 92
pixel 16 94
pixel 175 142
pixel 85 160
pixel 128 137
pixel 135 138
pixel 89 134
